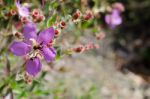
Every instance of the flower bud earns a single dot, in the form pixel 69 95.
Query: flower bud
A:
pixel 88 15
pixel 51 43
pixel 79 49
pixel 76 15
pixel 18 25
pixel 24 20
pixel 37 16
pixel 28 79
pixel 35 13
pixel 57 33
pixel 89 46
pixel 100 36
pixel 97 46
pixel 41 18
pixel 18 34
pixel 62 24
pixel 118 6
pixel 12 13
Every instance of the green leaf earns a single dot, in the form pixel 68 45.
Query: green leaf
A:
pixel 59 52
pixel 51 20
pixel 9 2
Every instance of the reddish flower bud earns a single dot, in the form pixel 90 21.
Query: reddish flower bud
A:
pixel 118 6
pixel 76 15
pixel 18 34
pixel 96 46
pixel 88 15
pixel 41 18
pixel 57 33
pixel 37 16
pixel 28 79
pixel 51 43
pixel 12 13
pixel 62 24
pixel 24 20
pixel 100 36
pixel 35 13
pixel 18 25
pixel 79 49
pixel 90 46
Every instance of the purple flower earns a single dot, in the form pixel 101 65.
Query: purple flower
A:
pixel 22 10
pixel 33 66
pixel 114 19
pixel 34 45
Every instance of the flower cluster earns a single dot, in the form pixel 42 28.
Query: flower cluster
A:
pixel 35 46
pixel 82 48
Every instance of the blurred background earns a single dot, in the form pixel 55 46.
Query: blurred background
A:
pixel 119 69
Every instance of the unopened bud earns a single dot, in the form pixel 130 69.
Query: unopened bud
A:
pixel 24 20
pixel 37 16
pixel 57 33
pixel 51 43
pixel 79 49
pixel 90 46
pixel 11 13
pixel 62 24
pixel 28 79
pixel 18 34
pixel 100 36
pixel 35 13
pixel 76 15
pixel 97 46
pixel 88 15
pixel 118 6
